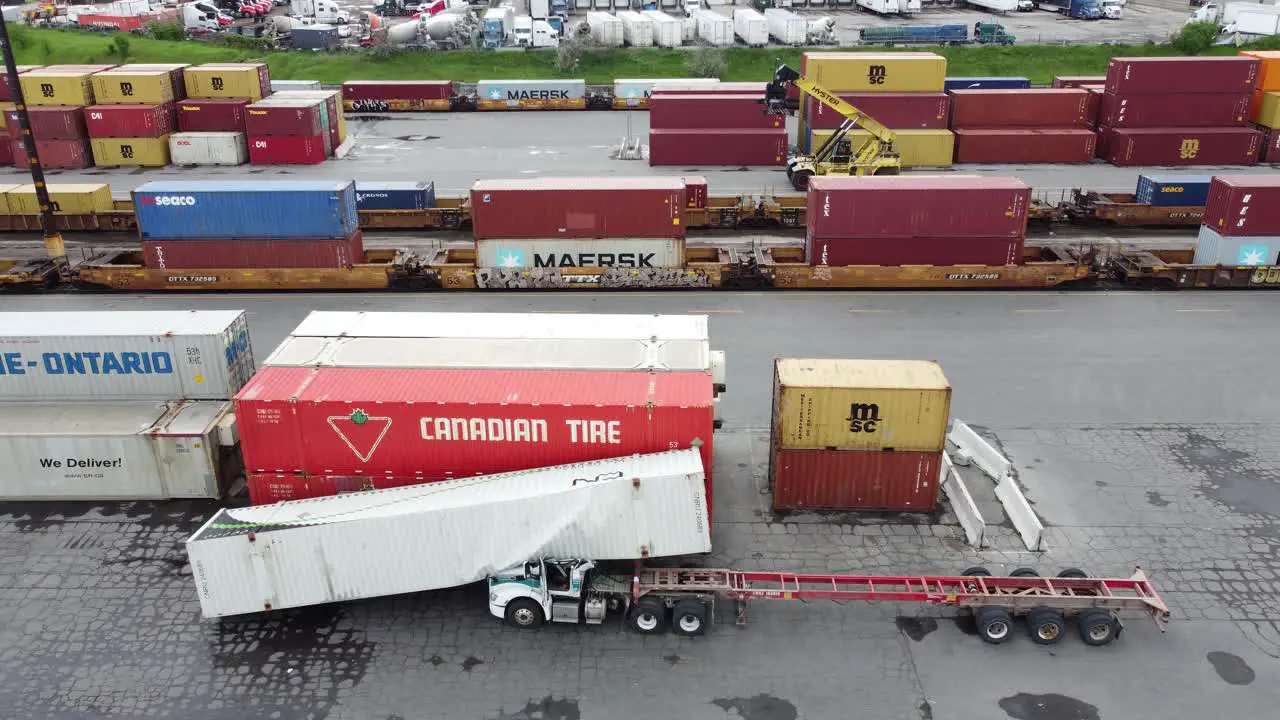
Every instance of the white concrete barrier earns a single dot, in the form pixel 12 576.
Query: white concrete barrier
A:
pixel 1020 514
pixel 993 462
pixel 982 453
pixel 962 504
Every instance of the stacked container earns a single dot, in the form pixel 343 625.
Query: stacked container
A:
pixel 857 434
pixel 902 91
pixel 986 83
pixel 1241 222
pixel 967 220
pixel 56 97
pixel 1264 109
pixel 720 126
pixel 6 104
pixel 1179 111
pixel 211 120
pixel 248 224
pixel 333 107
pixel 1033 125
pixel 557 222
pixel 135 115
pixel 288 132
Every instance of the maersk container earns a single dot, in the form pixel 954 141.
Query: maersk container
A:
pixel 1212 248
pixel 429 537
pixel 513 92
pixel 395 195
pixel 1173 190
pixel 193 355
pixel 552 253
pixel 136 450
pixel 246 209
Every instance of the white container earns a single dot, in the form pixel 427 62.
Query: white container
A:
pixel 637 30
pixel 614 252
pixel 537 326
pixel 605 29
pixel 993 5
pixel 446 534
pixel 110 450
pixel 714 28
pixel 750 27
pixel 157 355
pixel 786 27
pixel 287 85
pixel 884 7
pixel 513 91
pixel 1243 251
pixel 690 29
pixel 668 32
pixel 208 148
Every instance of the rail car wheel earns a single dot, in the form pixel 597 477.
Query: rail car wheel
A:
pixel 1097 627
pixel 689 618
pixel 995 624
pixel 1046 625
pixel 1024 572
pixel 648 616
pixel 524 613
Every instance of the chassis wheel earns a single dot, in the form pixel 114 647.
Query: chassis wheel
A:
pixel 975 571
pixel 995 624
pixel 1073 573
pixel 1024 572
pixel 648 616
pixel 524 613
pixel 1046 626
pixel 1097 627
pixel 689 618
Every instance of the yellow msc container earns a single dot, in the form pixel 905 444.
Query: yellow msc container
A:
pixel 132 152
pixel 918 148
pixel 822 404
pixel 227 80
pixel 130 87
pixel 844 72
pixel 57 87
pixel 67 199
pixel 4 199
pixel 1269 110
pixel 5 107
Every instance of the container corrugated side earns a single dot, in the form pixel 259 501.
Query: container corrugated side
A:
pixel 1026 145
pixel 1244 205
pixel 111 451
pixel 899 111
pixel 198 355
pixel 855 480
pixel 1173 190
pixel 889 207
pixel 208 148
pixel 987 83
pixel 845 251
pixel 395 195
pixel 876 72
pixel 1188 75
pixel 734 147
pixel 353 546
pixel 220 254
pixel 613 252
pixel 503 326
pixel 581 208
pixel 1200 110
pixel 916 148
pixel 279 209
pixel 823 404
pixel 1212 248
pixel 1039 107
pixel 1180 146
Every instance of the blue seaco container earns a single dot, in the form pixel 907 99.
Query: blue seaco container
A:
pixel 986 83
pixel 246 209
pixel 395 195
pixel 1173 190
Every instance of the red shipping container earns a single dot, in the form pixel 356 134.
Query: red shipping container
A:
pixel 934 206
pixel 130 120
pixel 288 150
pixel 695 191
pixel 1025 145
pixel 6 153
pixel 705 112
pixel 356 90
pixel 303 118
pixel 267 488
pixel 1244 205
pixel 1203 110
pixel 914 251
pixel 855 480
pixel 212 115
pixel 1027 108
pixel 899 111
pixel 235 253
pixel 56 154
pixel 5 92
pixel 48 122
pixel 734 147
pixel 1182 75
pixel 578 208
pixel 433 425
pixel 1182 146
pixel 1271 148
pixel 1075 81
pixel 688 88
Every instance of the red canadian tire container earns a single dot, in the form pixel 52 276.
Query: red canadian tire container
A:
pixel 728 147
pixel 56 154
pixel 838 252
pixel 728 88
pixel 1071 81
pixel 294 119
pixel 212 115
pixel 267 488
pixel 221 254
pixel 48 122
pixel 360 90
pixel 1242 205
pixel 1182 75
pixel 1026 108
pixel 900 111
pixel 855 480
pixel 150 121
pixel 578 208
pixel 1017 145
pixel 434 425
pixel 1202 110
pixel 288 150
pixel 705 112
pixel 927 206
pixel 1182 146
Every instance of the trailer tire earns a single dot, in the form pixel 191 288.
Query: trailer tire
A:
pixel 1046 625
pixel 1073 574
pixel 689 618
pixel 995 624
pixel 524 613
pixel 975 571
pixel 1097 627
pixel 648 616
pixel 1024 572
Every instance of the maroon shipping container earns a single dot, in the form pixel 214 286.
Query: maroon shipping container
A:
pixel 899 111
pixel 1025 145
pixel 288 149
pixel 718 147
pixel 695 191
pixel 5 92
pixel 1075 81
pixel 1271 147
pixel 1182 75
pixel 56 154
pixel 303 118
pixel 6 153
pixel 357 90
pixel 217 254
pixel 1027 108
pixel 1202 110
pixel 106 121
pixel 1182 146
pixel 706 112
pixel 212 115
pixel 686 88
pixel 49 122
pixel 927 206
pixel 578 208
pixel 1243 205
pixel 914 251
pixel 855 480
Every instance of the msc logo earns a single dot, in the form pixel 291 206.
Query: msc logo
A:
pixel 167 200
pixel 863 417
pixel 217 83
pixel 126 88
pixel 46 90
pixel 876 74
pixel 1190 148
pixel 126 151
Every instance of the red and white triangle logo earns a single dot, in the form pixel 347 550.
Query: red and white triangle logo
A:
pixel 361 432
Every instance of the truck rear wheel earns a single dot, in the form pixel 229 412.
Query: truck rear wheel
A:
pixel 689 618
pixel 995 624
pixel 1046 625
pixel 524 613
pixel 1097 627
pixel 648 616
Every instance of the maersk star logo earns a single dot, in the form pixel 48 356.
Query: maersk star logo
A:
pixel 510 258
pixel 1252 255
pixel 497 94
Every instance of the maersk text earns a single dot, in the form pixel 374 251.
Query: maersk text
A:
pixel 550 260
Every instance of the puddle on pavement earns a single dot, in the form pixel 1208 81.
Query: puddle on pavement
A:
pixel 1051 706
pixel 1231 668
pixel 760 707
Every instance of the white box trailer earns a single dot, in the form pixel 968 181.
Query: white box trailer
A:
pixel 605 29
pixel 637 30
pixel 750 27
pixel 161 355
pixel 714 28
pixel 668 32
pixel 551 326
pixel 446 534
pixel 139 450
pixel 786 27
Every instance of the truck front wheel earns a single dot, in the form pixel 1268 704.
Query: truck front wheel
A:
pixel 524 613
pixel 648 616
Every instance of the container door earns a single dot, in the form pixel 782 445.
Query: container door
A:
pixel 188 465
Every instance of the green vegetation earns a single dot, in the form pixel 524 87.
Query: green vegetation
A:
pixel 1038 62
